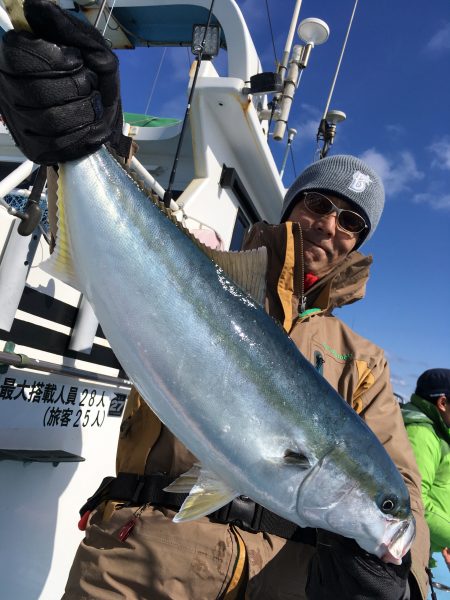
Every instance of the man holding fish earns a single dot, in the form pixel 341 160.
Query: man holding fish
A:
pixel 295 496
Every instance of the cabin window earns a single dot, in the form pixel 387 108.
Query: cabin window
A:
pixel 241 225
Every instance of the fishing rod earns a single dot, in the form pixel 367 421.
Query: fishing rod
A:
pixel 198 50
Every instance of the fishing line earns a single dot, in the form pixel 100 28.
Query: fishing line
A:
pixel 339 62
pixel 271 32
pixel 155 81
pixel 293 161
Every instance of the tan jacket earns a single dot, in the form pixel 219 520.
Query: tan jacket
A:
pixel 355 367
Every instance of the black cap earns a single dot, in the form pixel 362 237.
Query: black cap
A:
pixel 434 383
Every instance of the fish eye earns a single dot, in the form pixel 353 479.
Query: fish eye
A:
pixel 388 504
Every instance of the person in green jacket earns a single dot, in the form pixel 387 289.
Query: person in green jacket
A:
pixel 427 420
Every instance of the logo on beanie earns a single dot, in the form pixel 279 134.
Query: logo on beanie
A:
pixel 359 182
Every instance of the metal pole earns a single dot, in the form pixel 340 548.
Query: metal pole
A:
pixel 14 267
pixel 85 328
pixel 11 181
pixel 290 85
pixel 287 48
pixel 150 180
pixel 24 362
pixel 291 135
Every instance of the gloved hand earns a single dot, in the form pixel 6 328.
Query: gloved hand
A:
pixel 341 570
pixel 59 87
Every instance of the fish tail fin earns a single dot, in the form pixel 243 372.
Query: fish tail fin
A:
pixel 207 493
pixel 60 263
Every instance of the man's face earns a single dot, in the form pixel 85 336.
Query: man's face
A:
pixel 324 244
pixel 444 409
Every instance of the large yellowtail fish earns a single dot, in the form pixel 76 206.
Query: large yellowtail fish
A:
pixel 219 372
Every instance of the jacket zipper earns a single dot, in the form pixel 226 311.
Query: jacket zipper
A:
pixel 300 293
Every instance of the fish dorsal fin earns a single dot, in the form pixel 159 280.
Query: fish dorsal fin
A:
pixel 207 493
pixel 247 268
pixel 60 263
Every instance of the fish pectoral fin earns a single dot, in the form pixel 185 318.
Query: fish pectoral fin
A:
pixel 207 494
pixel 292 457
pixel 185 482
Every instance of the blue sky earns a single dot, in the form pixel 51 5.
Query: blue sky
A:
pixel 394 86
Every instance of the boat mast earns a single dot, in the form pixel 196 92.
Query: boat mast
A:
pixel 290 37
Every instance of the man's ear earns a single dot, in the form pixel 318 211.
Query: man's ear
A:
pixel 441 403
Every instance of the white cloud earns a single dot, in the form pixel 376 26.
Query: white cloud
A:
pixel 177 62
pixel 441 151
pixel 311 110
pixel 435 200
pixel 398 174
pixel 174 108
pixel 395 130
pixel 398 381
pixel 440 40
pixel 308 126
pixel 253 10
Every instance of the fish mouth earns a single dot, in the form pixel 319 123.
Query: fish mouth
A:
pixel 400 542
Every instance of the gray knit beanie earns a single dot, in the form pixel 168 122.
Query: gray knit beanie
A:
pixel 346 177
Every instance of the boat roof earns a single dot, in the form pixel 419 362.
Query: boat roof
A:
pixel 134 23
pixel 163 25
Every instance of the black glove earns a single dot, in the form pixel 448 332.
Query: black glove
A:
pixel 341 570
pixel 59 87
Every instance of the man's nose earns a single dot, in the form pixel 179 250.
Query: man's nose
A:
pixel 327 223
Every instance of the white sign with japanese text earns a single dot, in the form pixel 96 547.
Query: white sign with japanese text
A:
pixel 30 399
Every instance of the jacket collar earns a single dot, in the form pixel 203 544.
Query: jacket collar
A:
pixel 344 285
pixel 429 413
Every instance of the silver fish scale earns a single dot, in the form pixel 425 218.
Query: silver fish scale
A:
pixel 216 369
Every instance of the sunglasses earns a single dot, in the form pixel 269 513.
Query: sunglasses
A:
pixel 347 220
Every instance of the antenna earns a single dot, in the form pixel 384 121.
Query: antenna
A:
pixel 327 129
pixel 291 135
pixel 327 106
pixel 313 32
